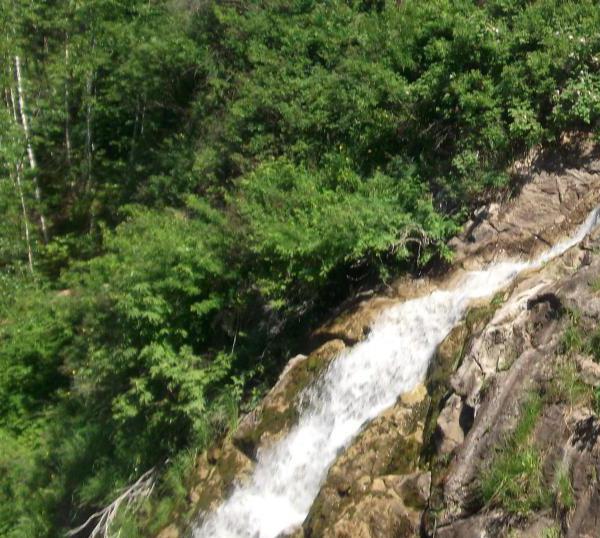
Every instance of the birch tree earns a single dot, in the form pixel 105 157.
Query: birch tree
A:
pixel 16 174
pixel 28 141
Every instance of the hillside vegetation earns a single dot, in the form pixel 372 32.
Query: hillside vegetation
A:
pixel 187 186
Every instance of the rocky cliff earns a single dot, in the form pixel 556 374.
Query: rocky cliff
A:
pixel 503 437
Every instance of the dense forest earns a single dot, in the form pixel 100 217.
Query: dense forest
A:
pixel 187 187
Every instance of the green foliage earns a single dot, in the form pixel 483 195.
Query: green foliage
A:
pixel 168 502
pixel 214 177
pixel 33 333
pixel 515 479
pixel 552 532
pixel 579 339
pixel 307 225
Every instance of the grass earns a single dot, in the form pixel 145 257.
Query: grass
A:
pixel 514 480
pixel 573 339
pixel 595 285
pixel 551 532
pixel 566 385
pixel 498 299
pixel 577 339
pixel 563 489
pixel 594 345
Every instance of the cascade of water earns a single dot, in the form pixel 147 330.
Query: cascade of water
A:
pixel 358 385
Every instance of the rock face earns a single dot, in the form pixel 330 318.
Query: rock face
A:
pixel 277 412
pixel 532 345
pixel 422 467
pixel 560 189
pixel 375 488
pixel 220 468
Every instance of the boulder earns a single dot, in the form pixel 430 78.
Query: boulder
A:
pixel 278 412
pixel 449 432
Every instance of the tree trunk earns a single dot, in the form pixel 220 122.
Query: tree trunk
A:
pixel 67 106
pixel 25 219
pixel 89 147
pixel 89 144
pixel 11 105
pixel 30 153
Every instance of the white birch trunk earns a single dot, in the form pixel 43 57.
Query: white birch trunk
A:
pixel 10 102
pixel 25 219
pixel 67 102
pixel 30 153
pixel 89 187
pixel 89 143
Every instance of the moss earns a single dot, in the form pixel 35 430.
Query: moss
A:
pixel 314 364
pixel 271 421
pixel 448 357
pixel 228 466
pixel 498 299
pixel 274 419
pixel 416 417
pixel 478 317
pixel 404 456
pixel 552 532
pixel 412 496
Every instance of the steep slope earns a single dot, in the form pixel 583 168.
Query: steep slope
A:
pixel 423 465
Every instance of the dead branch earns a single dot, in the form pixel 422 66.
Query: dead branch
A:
pixel 129 497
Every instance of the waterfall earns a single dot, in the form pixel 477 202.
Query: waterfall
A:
pixel 358 385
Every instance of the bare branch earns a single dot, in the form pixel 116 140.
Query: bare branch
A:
pixel 129 497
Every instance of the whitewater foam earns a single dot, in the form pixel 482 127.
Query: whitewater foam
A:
pixel 358 385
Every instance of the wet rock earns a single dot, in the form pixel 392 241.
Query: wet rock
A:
pixel 216 472
pixel 374 487
pixel 354 323
pixel 392 506
pixel 278 411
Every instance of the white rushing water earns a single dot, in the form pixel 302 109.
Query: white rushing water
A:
pixel 358 385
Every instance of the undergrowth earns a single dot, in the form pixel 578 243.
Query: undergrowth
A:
pixel 515 479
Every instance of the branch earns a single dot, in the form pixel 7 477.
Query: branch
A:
pixel 133 494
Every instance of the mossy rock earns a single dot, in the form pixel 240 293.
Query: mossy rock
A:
pixel 279 410
pixel 447 359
